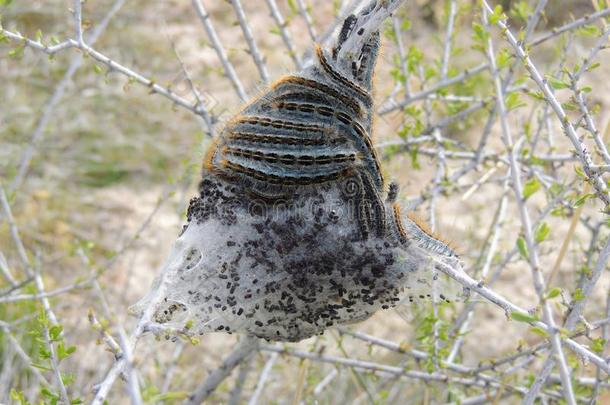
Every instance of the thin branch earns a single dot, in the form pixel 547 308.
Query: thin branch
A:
pixel 219 48
pixel 307 18
pixel 588 19
pixel 78 22
pixel 58 93
pixel 241 351
pixel 263 379
pixel 281 24
pixel 259 60
pixel 550 98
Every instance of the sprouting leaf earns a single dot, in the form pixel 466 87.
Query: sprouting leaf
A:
pixel 539 331
pixel 63 352
pixel 41 367
pixel 17 52
pixel 577 295
pixel 480 34
pixel 569 106
pixel 579 172
pixel 530 187
pixel 293 6
pixel 542 232
pixel 44 353
pixel 55 332
pixel 503 58
pixel 555 292
pixel 589 31
pixel 414 162
pixel 397 75
pixel 19 396
pixel 68 378
pixel 582 199
pixel 50 396
pixel 497 15
pixel 557 84
pixel 521 10
pixel 513 101
pixel 536 95
pixel 430 72
pixel 522 246
pixel 597 345
pixel 523 317
pixel 414 58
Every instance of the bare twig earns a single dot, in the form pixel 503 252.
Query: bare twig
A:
pixel 281 24
pixel 219 48
pixel 241 351
pixel 254 51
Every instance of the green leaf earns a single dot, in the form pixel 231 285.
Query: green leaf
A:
pixel 589 31
pixel 41 367
pixel 539 331
pixel 582 199
pixel 569 106
pixel 557 84
pixel 497 15
pixel 530 187
pixel 68 378
pixel 55 332
pixel 430 72
pixel 577 295
pixel 555 292
pixel 397 75
pixel 414 162
pixel 521 10
pixel 579 172
pixel 480 35
pixel 523 317
pixel 522 246
pixel 503 58
pixel 414 59
pixel 53 398
pixel 542 232
pixel 18 395
pixel 63 352
pixel 44 353
pixel 513 101
pixel 293 6
pixel 536 95
pixel 598 345
pixel 17 52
